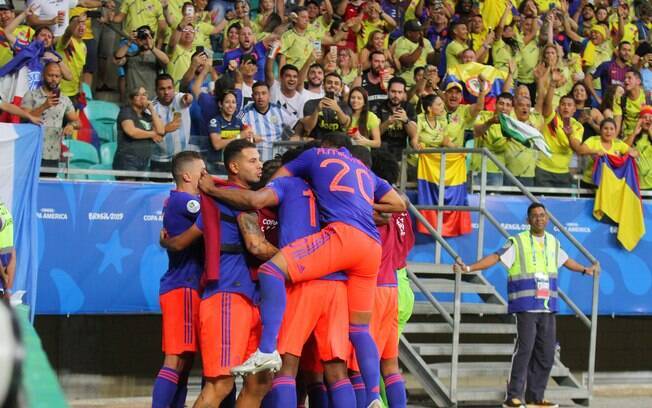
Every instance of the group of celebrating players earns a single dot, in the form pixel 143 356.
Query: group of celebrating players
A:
pixel 294 284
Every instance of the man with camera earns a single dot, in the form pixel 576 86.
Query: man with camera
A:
pixel 54 109
pixel 181 50
pixel 141 59
pixel 398 119
pixel 328 114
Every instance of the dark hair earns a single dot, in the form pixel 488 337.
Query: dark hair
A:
pixel 506 95
pixel 417 70
pixel 364 114
pixel 181 160
pixel 163 77
pixel 233 150
pixel 336 140
pixel 335 74
pixel 428 100
pixel 259 84
pixel 635 72
pixel 269 168
pixel 371 55
pixel 134 92
pixel 384 165
pixel 567 96
pixel 315 65
pixel 534 206
pixel 223 95
pixel 608 120
pixel 396 80
pixel 361 153
pixel 607 98
pixel 288 67
pixel 454 24
pixel 620 44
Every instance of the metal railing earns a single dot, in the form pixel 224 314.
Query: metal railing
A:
pixel 440 243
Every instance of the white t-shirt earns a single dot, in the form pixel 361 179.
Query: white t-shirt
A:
pixel 507 253
pixel 177 141
pixel 50 8
pixel 293 106
pixel 310 95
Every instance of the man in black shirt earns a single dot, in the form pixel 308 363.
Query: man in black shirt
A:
pixel 398 120
pixel 372 80
pixel 328 114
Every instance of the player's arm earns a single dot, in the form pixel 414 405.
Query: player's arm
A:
pixel 390 202
pixel 484 263
pixel 238 198
pixel 181 241
pixel 254 238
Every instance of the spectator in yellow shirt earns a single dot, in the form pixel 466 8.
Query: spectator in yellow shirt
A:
pixel 412 50
pixel 72 49
pixel 180 51
pixel 138 13
pixel 364 127
pixel 297 44
pixel 460 35
pixel 13 34
pixel 606 143
pixel 628 102
pixel 560 132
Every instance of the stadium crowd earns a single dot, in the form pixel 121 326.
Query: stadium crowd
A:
pixel 391 74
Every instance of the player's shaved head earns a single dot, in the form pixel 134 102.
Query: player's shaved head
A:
pixel 361 153
pixel 182 163
pixel 385 166
pixel 336 140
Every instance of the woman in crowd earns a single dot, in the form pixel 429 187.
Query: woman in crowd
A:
pixel 223 129
pixel 587 115
pixel 139 127
pixel 365 125
pixel 347 65
pixel 641 140
pixel 376 43
pixel 231 39
pixel 605 143
pixel 431 124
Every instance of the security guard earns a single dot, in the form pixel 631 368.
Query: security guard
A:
pixel 7 251
pixel 533 258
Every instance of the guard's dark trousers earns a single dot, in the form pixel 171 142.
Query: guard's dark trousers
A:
pixel 534 356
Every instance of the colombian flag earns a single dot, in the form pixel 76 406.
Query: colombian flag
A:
pixel 467 74
pixel 428 178
pixel 619 197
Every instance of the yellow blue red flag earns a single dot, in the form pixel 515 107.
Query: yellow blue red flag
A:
pixel 619 197
pixel 467 74
pixel 454 223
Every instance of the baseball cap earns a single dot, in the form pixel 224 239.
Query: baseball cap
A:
pixel 453 84
pixel 412 25
pixel 6 5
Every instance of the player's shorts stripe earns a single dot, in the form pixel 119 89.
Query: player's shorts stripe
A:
pixel 186 316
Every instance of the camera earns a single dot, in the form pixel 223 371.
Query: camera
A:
pixel 143 34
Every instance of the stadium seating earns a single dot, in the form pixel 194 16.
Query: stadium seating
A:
pixel 107 151
pixel 83 155
pixel 103 116
pixel 101 177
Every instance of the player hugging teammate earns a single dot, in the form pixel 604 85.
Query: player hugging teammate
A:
pixel 313 302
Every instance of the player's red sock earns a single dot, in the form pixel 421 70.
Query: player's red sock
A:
pixel 341 393
pixel 395 390
pixel 360 391
pixel 317 395
pixel 272 304
pixel 165 387
pixel 368 360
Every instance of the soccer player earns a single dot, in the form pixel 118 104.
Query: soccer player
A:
pixel 397 240
pixel 347 193
pixel 229 320
pixel 179 295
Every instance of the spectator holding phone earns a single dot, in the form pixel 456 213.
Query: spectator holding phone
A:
pixel 55 110
pixel 398 119
pixel 181 51
pixel 328 114
pixel 141 59
pixel 139 127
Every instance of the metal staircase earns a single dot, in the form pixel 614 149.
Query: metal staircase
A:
pixel 460 350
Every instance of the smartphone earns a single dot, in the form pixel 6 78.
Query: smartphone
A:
pixel 329 94
pixel 56 92
pixel 199 49
pixel 190 11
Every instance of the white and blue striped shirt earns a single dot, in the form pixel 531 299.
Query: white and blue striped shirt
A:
pixel 177 141
pixel 270 125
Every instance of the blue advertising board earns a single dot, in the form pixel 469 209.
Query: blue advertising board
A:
pixel 99 251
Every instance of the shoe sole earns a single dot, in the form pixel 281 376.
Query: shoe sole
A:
pixel 273 367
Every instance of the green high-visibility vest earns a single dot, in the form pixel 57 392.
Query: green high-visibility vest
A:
pixel 6 230
pixel 530 263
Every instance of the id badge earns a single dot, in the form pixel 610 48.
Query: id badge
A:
pixel 543 286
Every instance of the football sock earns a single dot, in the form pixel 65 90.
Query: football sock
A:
pixel 272 305
pixel 317 395
pixel 165 387
pixel 368 360
pixel 360 391
pixel 395 389
pixel 341 393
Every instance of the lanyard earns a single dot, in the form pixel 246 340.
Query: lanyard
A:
pixel 545 251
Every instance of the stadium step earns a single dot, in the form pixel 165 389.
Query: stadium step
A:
pixel 423 268
pixel 487 368
pixel 470 349
pixel 423 307
pixel 468 328
pixel 490 394
pixel 448 286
